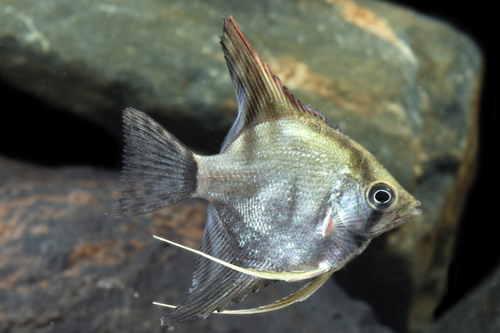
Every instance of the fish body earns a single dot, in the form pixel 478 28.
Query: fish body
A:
pixel 290 197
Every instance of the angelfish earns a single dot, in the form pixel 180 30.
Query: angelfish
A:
pixel 290 197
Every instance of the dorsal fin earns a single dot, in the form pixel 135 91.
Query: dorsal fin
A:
pixel 260 94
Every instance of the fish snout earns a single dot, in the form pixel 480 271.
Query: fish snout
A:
pixel 413 210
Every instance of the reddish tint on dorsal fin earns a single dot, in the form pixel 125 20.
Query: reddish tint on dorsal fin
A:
pixel 261 96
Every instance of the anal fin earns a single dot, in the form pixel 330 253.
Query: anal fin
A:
pixel 298 296
pixel 214 286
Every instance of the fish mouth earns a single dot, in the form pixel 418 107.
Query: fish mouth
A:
pixel 413 210
pixel 404 214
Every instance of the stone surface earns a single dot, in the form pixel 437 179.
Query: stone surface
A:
pixel 64 267
pixel 403 85
pixel 479 312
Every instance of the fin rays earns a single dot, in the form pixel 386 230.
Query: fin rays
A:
pixel 158 169
pixel 218 282
pixel 260 94
pixel 298 296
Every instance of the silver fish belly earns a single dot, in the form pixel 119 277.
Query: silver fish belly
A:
pixel 290 197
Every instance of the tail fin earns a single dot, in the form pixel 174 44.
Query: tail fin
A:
pixel 158 169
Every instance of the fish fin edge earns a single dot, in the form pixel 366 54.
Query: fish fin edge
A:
pixel 158 169
pixel 261 95
pixel 298 296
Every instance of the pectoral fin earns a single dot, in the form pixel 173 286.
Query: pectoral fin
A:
pixel 283 276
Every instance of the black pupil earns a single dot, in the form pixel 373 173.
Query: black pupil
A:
pixel 382 196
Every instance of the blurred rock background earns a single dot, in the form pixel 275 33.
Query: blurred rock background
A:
pixel 406 86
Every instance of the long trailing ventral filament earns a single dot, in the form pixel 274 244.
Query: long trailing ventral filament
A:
pixel 319 277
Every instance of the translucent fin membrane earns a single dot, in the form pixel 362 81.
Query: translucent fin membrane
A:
pixel 299 296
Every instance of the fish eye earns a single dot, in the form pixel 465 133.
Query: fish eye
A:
pixel 380 196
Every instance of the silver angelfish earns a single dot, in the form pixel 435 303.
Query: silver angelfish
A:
pixel 290 197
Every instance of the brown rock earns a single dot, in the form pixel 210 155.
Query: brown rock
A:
pixel 64 267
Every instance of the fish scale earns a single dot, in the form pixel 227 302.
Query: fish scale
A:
pixel 290 197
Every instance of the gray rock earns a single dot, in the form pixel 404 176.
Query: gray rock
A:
pixel 64 267
pixel 479 312
pixel 403 85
